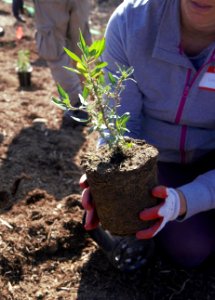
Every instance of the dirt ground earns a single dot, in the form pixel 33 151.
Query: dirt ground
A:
pixel 44 251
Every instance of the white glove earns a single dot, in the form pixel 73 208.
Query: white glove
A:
pixel 167 211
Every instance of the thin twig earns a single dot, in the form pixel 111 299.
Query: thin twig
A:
pixel 181 289
pixel 6 223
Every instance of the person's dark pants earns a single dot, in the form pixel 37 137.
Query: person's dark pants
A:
pixel 188 243
pixel 17 7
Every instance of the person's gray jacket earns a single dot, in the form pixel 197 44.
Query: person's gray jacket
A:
pixel 171 106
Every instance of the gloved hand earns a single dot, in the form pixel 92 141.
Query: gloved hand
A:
pixel 92 220
pixel 172 206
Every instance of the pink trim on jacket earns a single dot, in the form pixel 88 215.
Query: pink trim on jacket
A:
pixel 188 86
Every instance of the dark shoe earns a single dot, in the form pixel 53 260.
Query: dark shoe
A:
pixel 127 254
pixel 68 120
pixel 21 19
pixel 82 115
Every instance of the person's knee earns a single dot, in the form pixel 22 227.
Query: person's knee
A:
pixel 188 243
pixel 189 256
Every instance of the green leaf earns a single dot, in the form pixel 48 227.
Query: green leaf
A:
pixel 96 73
pixel 62 92
pixel 101 65
pixel 85 92
pixel 80 120
pixel 121 122
pixel 124 119
pixel 92 52
pixel 58 103
pixel 82 100
pixel 112 78
pixel 81 67
pixel 101 79
pixel 72 70
pixel 93 48
pixel 97 48
pixel 64 97
pixel 102 44
pixel 82 40
pixel 72 55
pixel 82 45
pixel 56 100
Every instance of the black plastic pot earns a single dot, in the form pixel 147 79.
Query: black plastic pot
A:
pixel 24 79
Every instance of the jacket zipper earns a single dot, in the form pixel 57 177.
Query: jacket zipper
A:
pixel 187 88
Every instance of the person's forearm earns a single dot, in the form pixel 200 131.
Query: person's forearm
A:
pixel 199 194
pixel 183 203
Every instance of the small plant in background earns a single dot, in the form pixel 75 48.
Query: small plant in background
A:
pixel 24 68
pixel 101 96
pixel 23 61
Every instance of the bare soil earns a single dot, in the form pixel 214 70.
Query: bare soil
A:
pixel 44 251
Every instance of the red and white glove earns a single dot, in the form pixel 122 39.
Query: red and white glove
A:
pixel 91 220
pixel 167 211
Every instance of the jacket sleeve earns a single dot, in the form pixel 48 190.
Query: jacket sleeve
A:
pixel 115 55
pixel 200 194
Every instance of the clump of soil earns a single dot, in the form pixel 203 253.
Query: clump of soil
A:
pixel 121 183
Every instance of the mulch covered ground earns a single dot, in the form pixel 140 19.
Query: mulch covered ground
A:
pixel 44 251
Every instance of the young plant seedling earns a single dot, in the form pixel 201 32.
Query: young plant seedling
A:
pixel 23 61
pixel 101 94
pixel 119 177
